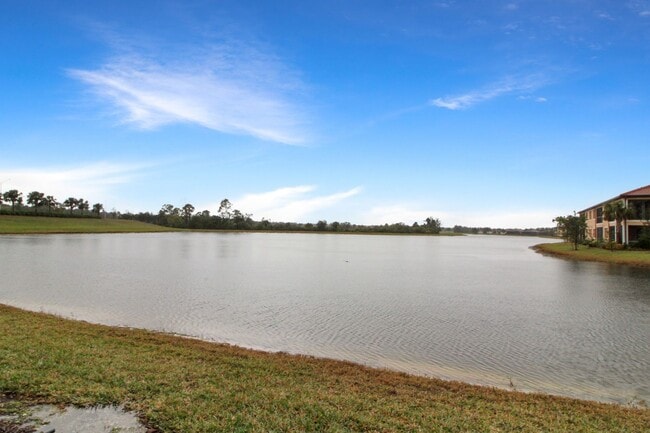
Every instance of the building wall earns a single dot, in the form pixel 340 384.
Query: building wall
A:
pixel 594 223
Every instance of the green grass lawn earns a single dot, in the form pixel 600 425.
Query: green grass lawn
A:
pixel 10 224
pixel 622 257
pixel 185 385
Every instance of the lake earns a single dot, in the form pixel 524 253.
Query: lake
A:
pixel 481 309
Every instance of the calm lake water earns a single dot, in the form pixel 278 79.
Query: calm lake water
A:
pixel 482 309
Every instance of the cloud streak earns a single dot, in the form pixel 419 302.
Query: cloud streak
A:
pixel 293 204
pixel 508 86
pixel 396 213
pixel 233 89
pixel 92 181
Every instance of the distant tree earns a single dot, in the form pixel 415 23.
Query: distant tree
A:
pixel 572 228
pixel 71 203
pixel 14 196
pixel 35 199
pixel 224 209
pixel 169 215
pixel 98 208
pixel 50 202
pixel 83 205
pixel 187 213
pixel 264 224
pixel 321 225
pixel 433 225
pixel 240 220
pixel 166 209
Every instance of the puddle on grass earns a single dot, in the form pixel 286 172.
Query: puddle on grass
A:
pixel 72 419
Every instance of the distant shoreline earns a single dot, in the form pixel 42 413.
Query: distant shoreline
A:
pixel 565 250
pixel 32 225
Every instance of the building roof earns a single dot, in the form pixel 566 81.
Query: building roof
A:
pixel 644 191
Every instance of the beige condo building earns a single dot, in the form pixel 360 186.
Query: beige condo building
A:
pixel 598 227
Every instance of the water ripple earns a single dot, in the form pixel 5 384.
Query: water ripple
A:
pixel 481 309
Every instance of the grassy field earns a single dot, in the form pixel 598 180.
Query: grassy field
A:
pixel 621 257
pixel 27 224
pixel 185 385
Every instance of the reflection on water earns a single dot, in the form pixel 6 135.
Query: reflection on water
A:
pixel 478 308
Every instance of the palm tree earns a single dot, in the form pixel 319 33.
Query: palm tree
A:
pixel 83 205
pixel 71 202
pixel 624 213
pixel 609 213
pixel 36 199
pixel 98 208
pixel 617 211
pixel 50 201
pixel 14 197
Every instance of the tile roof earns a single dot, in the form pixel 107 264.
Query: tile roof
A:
pixel 644 190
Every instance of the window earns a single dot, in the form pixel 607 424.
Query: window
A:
pixel 641 209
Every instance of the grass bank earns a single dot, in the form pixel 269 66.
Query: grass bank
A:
pixel 10 224
pixel 621 257
pixel 185 385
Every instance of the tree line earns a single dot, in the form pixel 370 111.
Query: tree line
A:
pixel 47 205
pixel 229 218
pixel 540 231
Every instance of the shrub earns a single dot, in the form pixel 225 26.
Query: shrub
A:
pixel 612 245
pixel 644 239
pixel 593 243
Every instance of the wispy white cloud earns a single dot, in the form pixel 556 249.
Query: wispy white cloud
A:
pixel 604 16
pixel 399 213
pixel 510 85
pixel 231 88
pixel 641 7
pixel 540 99
pixel 507 219
pixel 93 181
pixel 288 204
pixel 496 219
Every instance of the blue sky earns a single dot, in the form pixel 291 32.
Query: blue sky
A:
pixel 481 113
